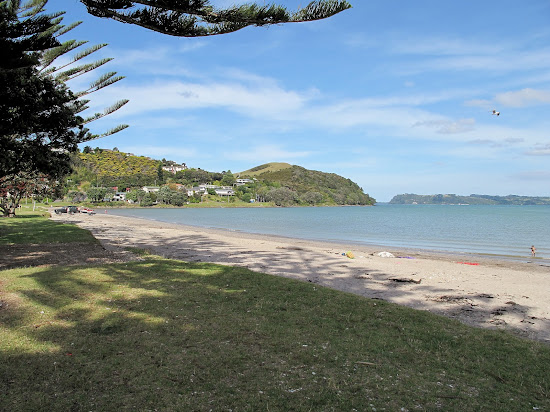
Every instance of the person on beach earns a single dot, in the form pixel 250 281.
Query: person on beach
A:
pixel 533 251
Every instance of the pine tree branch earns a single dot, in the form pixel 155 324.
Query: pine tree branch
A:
pixel 68 28
pixel 80 56
pixel 30 9
pixel 88 137
pixel 188 18
pixel 49 56
pixel 106 112
pixel 105 80
pixel 82 69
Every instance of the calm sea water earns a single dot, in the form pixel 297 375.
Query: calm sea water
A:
pixel 496 230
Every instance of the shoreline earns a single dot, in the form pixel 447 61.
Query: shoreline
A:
pixel 477 290
pixel 432 249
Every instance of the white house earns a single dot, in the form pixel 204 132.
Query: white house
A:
pixel 225 191
pixel 175 168
pixel 150 189
pixel 201 190
pixel 119 196
pixel 241 182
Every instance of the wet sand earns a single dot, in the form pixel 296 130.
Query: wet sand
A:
pixel 479 291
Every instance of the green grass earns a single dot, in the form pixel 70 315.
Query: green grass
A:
pixel 32 227
pixel 168 335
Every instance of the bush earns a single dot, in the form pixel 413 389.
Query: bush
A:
pixel 147 200
pixel 282 196
pixel 178 198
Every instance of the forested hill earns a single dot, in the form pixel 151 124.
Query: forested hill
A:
pixel 280 183
pixel 332 188
pixel 451 199
pixel 114 168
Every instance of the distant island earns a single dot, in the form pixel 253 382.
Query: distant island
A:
pixel 452 199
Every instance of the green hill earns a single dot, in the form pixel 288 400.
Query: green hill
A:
pixel 114 168
pixel 279 183
pixel 310 186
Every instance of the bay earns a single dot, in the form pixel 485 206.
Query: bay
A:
pixel 503 231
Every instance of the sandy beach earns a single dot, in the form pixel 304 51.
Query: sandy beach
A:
pixel 481 292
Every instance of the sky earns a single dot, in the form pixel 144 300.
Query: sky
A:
pixel 397 97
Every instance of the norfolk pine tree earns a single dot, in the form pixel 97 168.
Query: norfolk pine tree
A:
pixel 40 122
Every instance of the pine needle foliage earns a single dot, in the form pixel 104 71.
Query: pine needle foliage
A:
pixel 196 18
pixel 69 71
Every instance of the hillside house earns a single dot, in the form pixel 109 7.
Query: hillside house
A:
pixel 119 197
pixel 200 190
pixel 241 182
pixel 225 191
pixel 175 168
pixel 203 189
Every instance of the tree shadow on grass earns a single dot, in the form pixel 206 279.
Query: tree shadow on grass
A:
pixel 170 335
pixel 25 255
pixel 34 230
pixel 326 269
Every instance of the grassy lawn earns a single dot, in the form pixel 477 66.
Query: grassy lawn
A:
pixel 33 227
pixel 163 334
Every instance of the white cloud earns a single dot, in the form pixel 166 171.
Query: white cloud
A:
pixel 269 101
pixel 534 175
pixel 265 154
pixel 440 46
pixel 523 98
pixel 364 163
pixel 448 126
pixel 453 54
pixel 397 113
pixel 482 64
pixel 168 152
pixel 156 59
pixel 539 151
pixel 495 143
pixel 483 103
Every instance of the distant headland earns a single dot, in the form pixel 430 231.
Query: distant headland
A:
pixel 452 199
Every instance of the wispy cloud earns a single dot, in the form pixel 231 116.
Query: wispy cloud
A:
pixel 266 153
pixel 448 126
pixel 483 103
pixel 262 101
pixel 444 46
pixel 523 98
pixel 508 62
pixel 268 100
pixel 155 59
pixel 436 53
pixel 496 143
pixel 161 151
pixel 534 175
pixel 542 150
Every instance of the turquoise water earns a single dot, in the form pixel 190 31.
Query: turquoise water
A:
pixel 497 230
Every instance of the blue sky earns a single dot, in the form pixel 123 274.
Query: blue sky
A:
pixel 395 96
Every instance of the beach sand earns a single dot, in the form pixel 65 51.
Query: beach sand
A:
pixel 478 291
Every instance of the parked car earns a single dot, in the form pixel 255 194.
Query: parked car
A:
pixel 61 210
pixel 87 210
pixel 66 209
